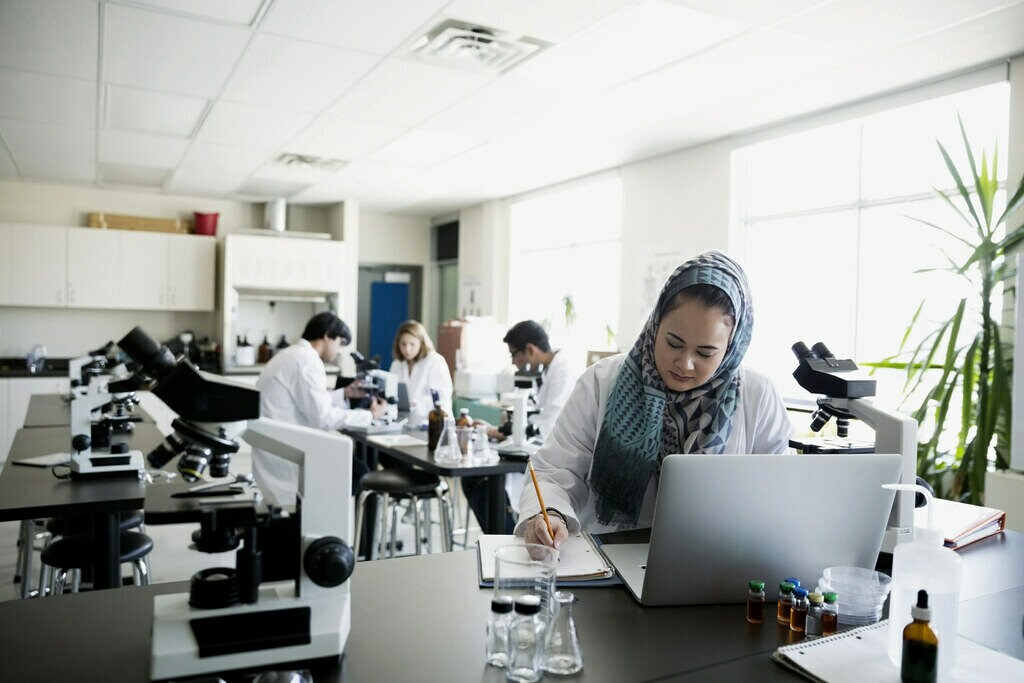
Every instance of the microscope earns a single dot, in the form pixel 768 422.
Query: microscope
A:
pixel 518 443
pixel 844 394
pixel 377 383
pixel 286 602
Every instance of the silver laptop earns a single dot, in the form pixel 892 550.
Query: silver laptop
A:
pixel 722 520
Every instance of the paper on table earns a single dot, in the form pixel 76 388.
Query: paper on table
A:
pixel 396 441
pixel 860 655
pixel 577 558
pixel 45 460
pixel 962 524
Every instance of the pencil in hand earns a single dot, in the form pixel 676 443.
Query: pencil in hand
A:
pixel 540 499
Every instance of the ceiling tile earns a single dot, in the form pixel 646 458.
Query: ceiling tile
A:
pixel 293 74
pixel 258 189
pixel 26 139
pixel 205 159
pixel 358 179
pixel 424 148
pixel 47 99
pixel 152 112
pixel 203 184
pixel 498 109
pixel 376 27
pixel 866 25
pixel 139 149
pixel 304 174
pixel 232 11
pixel 157 51
pixel 403 93
pixel 550 21
pixel 136 176
pixel 337 138
pixel 50 36
pixel 7 167
pixel 631 43
pixel 244 124
pixel 57 168
pixel 754 12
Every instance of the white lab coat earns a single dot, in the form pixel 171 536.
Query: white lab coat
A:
pixel 430 372
pixel 293 388
pixel 558 380
pixel 760 426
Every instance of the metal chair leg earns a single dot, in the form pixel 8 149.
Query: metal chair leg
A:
pixel 60 578
pixel 360 513
pixel 393 536
pixel 45 577
pixel 415 502
pixel 76 580
pixel 384 502
pixel 145 571
pixel 447 517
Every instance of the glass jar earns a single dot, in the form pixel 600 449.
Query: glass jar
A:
pixel 497 631
pixel 526 641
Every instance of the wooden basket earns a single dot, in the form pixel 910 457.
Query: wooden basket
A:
pixel 115 221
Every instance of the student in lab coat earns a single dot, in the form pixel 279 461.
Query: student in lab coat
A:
pixel 293 389
pixel 421 368
pixel 680 389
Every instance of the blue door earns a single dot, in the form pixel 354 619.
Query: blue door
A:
pixel 389 308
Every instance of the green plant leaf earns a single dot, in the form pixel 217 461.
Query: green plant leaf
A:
pixel 986 192
pixel 951 351
pixel 973 225
pixel 951 167
pixel 947 231
pixel 931 355
pixel 940 415
pixel 1010 240
pixel 1015 202
pixel 970 155
pixel 967 396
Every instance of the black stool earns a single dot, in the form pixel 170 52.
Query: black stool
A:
pixel 82 524
pixel 73 553
pixel 400 484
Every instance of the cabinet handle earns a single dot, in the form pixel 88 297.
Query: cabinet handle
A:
pixel 71 294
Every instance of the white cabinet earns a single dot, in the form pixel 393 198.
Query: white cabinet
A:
pixel 283 263
pixel 6 436
pixel 94 257
pixel 143 270
pixel 191 272
pixel 35 268
pixel 16 394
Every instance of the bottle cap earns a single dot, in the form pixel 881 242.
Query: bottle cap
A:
pixel 816 598
pixel 831 597
pixel 527 604
pixel 502 605
pixel 795 582
pixel 800 592
pixel 920 610
pixel 464 411
pixel 756 585
pixel 786 587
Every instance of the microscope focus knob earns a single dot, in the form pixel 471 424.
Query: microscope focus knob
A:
pixel 118 448
pixel 329 561
pixel 80 442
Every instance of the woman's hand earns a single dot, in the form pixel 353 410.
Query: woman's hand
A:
pixel 537 531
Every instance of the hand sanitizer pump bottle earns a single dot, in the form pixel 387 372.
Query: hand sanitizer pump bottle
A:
pixel 925 564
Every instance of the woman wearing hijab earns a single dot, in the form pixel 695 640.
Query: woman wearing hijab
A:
pixel 680 389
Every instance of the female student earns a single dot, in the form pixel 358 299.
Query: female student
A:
pixel 680 389
pixel 421 368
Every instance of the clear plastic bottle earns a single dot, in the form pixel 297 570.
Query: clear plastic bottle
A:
pixel 813 627
pixel 755 602
pixel 785 607
pixel 497 631
pixel 448 451
pixel 925 564
pixel 798 618
pixel 830 614
pixel 562 653
pixel 526 641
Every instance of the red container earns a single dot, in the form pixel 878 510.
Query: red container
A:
pixel 206 223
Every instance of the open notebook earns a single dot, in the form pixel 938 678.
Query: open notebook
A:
pixel 860 655
pixel 962 524
pixel 578 559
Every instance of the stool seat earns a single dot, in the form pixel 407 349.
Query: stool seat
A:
pixel 401 483
pixel 77 552
pixel 82 524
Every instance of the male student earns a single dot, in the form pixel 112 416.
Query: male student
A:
pixel 292 389
pixel 530 349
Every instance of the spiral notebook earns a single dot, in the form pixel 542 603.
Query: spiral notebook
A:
pixel 860 655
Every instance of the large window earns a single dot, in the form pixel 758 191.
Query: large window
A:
pixel 565 263
pixel 826 235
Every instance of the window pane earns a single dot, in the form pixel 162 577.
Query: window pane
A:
pixel 803 278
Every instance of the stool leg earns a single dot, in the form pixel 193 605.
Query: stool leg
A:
pixel 444 505
pixel 26 548
pixel 393 537
pixel 45 577
pixel 360 511
pixel 383 547
pixel 415 502
pixel 145 571
pixel 76 580
pixel 60 578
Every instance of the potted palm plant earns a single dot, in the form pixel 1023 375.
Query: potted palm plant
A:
pixel 963 366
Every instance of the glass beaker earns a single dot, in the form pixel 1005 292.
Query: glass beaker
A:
pixel 526 569
pixel 448 451
pixel 562 654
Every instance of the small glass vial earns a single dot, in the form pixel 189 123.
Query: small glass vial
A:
pixel 920 645
pixel 562 653
pixel 785 602
pixel 525 641
pixel 755 602
pixel 497 631
pixel 830 614
pixel 798 620
pixel 793 580
pixel 812 628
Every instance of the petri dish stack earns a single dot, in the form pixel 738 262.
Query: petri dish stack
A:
pixel 862 593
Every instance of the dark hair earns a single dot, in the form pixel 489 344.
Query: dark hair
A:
pixel 527 332
pixel 708 295
pixel 329 325
pixel 416 329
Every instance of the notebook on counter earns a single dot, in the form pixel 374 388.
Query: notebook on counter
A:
pixel 578 559
pixel 962 524
pixel 860 655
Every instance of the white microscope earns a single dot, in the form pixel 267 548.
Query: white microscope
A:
pixel 286 603
pixel 517 444
pixel 844 396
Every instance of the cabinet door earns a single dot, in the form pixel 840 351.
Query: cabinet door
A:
pixel 38 260
pixel 94 257
pixel 20 391
pixel 192 268
pixel 6 435
pixel 143 271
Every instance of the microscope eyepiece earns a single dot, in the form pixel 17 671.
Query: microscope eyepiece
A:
pixel 801 351
pixel 156 360
pixel 822 351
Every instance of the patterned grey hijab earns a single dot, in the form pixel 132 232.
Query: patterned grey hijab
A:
pixel 644 420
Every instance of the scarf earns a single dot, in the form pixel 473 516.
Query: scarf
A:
pixel 645 421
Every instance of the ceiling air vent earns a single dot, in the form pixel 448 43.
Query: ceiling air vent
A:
pixel 466 46
pixel 306 161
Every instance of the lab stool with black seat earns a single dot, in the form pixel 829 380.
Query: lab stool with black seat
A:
pixel 392 486
pixel 72 549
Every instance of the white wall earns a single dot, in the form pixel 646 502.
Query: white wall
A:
pixel 389 239
pixel 484 259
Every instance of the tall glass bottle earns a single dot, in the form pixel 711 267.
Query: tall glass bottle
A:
pixel 562 653
pixel 526 641
pixel 435 423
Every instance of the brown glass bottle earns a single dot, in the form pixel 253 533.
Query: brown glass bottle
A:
pixel 265 351
pixel 785 602
pixel 435 423
pixel 464 430
pixel 830 614
pixel 798 617
pixel 920 645
pixel 755 602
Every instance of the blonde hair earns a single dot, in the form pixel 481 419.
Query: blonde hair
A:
pixel 416 329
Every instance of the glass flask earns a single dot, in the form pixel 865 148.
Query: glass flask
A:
pixel 448 451
pixel 562 654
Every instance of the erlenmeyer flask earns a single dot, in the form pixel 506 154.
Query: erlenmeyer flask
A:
pixel 448 451
pixel 562 654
